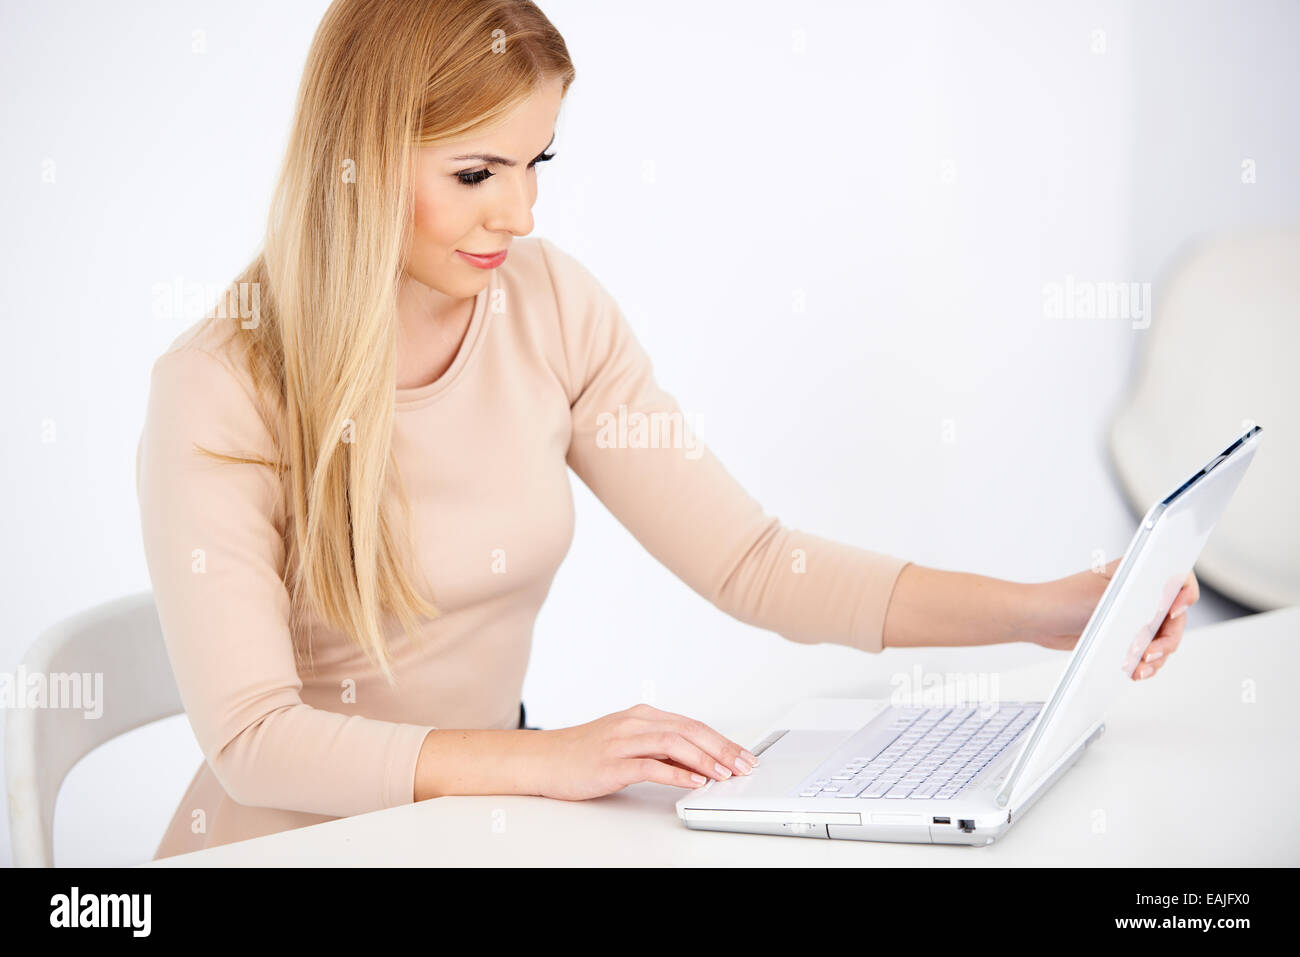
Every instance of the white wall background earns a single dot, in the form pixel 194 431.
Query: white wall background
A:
pixel 797 150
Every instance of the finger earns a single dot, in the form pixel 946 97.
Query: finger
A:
pixel 665 743
pixel 1187 596
pixel 727 752
pixel 1170 633
pixel 1145 670
pixel 1167 639
pixel 673 764
pixel 1152 659
pixel 1153 666
pixel 1157 653
pixel 648 769
pixel 1182 601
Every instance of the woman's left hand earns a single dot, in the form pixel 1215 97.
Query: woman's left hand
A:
pixel 1067 603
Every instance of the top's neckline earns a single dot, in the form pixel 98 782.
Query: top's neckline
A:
pixel 421 395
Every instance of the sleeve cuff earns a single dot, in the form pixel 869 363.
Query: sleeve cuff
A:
pixel 404 757
pixel 880 575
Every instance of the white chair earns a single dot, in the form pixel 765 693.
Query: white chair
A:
pixel 1220 355
pixel 122 640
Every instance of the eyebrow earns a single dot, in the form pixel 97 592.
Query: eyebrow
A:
pixel 498 160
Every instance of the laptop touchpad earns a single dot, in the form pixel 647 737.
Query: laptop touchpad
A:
pixel 788 761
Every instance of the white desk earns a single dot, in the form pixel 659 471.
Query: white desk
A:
pixel 1188 773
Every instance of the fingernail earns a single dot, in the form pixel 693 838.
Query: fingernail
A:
pixel 1146 672
pixel 1178 611
pixel 742 766
pixel 749 757
pixel 1153 656
pixel 722 771
pixel 697 778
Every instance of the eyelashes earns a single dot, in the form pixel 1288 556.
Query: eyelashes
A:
pixel 480 176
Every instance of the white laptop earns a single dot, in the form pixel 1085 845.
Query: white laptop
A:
pixel 964 775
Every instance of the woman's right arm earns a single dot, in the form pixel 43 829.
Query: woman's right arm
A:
pixel 588 760
pixel 215 553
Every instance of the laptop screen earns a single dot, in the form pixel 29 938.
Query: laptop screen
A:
pixel 1140 594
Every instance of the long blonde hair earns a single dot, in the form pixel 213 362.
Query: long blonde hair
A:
pixel 382 77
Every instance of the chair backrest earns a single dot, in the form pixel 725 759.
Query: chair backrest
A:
pixel 120 641
pixel 1222 349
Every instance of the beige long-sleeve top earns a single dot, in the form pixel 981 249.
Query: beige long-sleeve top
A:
pixel 549 376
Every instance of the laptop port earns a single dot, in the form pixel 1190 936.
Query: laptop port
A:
pixel 943 820
pixel 966 825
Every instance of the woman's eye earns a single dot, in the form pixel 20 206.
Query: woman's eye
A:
pixel 473 179
pixel 481 175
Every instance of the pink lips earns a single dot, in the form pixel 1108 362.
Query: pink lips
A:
pixel 484 262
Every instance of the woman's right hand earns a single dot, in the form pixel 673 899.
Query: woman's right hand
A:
pixel 639 744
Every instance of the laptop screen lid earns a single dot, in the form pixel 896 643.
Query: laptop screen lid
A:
pixel 1135 602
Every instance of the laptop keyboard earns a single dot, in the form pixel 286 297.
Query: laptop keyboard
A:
pixel 921 752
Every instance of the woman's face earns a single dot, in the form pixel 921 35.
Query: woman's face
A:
pixel 475 194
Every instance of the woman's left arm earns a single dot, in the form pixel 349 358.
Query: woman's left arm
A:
pixel 632 445
pixel 934 607
pixel 680 502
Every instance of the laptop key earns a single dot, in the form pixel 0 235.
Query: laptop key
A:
pixel 851 789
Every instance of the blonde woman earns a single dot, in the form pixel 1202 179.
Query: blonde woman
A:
pixel 329 480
